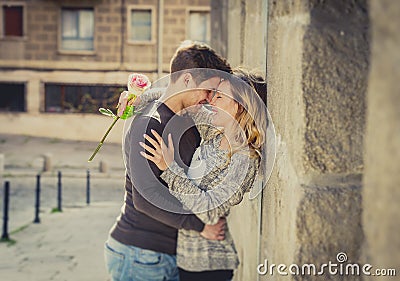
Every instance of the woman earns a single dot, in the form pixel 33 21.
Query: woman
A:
pixel 223 168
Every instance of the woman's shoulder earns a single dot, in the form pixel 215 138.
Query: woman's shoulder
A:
pixel 243 157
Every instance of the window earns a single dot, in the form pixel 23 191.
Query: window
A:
pixel 12 97
pixel 77 29
pixel 13 24
pixel 66 98
pixel 141 25
pixel 199 26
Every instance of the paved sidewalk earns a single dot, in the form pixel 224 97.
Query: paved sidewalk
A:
pixel 24 155
pixel 64 246
pixel 68 245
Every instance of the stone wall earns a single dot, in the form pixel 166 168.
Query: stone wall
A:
pixel 317 57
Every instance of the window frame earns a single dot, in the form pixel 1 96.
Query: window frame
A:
pixel 24 20
pixel 60 30
pixel 24 96
pixel 187 18
pixel 64 99
pixel 129 9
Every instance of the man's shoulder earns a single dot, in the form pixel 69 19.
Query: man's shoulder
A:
pixel 148 117
pixel 151 111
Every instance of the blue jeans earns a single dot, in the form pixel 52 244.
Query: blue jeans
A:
pixel 130 263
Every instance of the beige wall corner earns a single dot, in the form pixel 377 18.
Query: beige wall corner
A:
pixel 245 41
pixel 381 193
pixel 244 224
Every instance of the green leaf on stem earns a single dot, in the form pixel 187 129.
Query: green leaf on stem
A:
pixel 106 112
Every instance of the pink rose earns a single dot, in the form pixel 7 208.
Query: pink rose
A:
pixel 138 81
pixel 137 84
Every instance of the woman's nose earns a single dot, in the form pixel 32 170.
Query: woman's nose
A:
pixel 211 95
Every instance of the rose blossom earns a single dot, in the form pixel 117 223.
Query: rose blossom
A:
pixel 137 84
pixel 137 80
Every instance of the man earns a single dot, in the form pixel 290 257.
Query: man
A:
pixel 142 243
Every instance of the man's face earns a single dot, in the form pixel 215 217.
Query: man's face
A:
pixel 201 93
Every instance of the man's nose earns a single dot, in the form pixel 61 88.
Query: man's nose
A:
pixel 208 96
pixel 211 95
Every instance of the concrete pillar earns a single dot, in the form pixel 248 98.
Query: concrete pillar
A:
pixel 318 59
pixel 219 26
pixel 1 165
pixel 381 193
pixel 47 162
pixel 103 167
pixel 247 24
pixel 236 23
pixel 255 35
pixel 33 99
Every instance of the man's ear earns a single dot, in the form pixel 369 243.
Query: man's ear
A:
pixel 187 77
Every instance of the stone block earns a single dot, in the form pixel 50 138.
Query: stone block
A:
pixel 335 76
pixel 328 222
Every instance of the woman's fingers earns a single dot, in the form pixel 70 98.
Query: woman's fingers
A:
pixel 148 148
pixel 135 101
pixel 152 141
pixel 148 156
pixel 170 143
pixel 160 140
pixel 163 155
pixel 157 136
pixel 123 100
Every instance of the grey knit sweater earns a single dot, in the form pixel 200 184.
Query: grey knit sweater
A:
pixel 222 186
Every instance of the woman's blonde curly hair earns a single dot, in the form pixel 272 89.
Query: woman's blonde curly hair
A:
pixel 247 86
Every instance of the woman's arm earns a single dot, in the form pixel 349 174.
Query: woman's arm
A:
pixel 210 205
pixel 148 96
pixel 202 119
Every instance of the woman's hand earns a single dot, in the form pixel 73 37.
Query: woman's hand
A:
pixel 161 155
pixel 123 102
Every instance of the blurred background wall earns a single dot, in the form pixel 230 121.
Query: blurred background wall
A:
pixel 62 60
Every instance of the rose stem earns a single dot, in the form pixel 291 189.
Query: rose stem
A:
pixel 103 139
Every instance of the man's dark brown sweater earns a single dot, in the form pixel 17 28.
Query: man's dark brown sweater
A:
pixel 150 215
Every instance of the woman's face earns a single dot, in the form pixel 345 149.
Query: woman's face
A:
pixel 224 106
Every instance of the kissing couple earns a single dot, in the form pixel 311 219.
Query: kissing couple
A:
pixel 194 150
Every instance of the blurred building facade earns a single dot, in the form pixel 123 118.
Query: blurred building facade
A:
pixel 62 60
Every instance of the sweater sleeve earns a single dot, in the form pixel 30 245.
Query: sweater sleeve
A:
pixel 149 96
pixel 202 118
pixel 210 205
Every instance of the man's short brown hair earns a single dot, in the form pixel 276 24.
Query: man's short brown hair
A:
pixel 191 54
